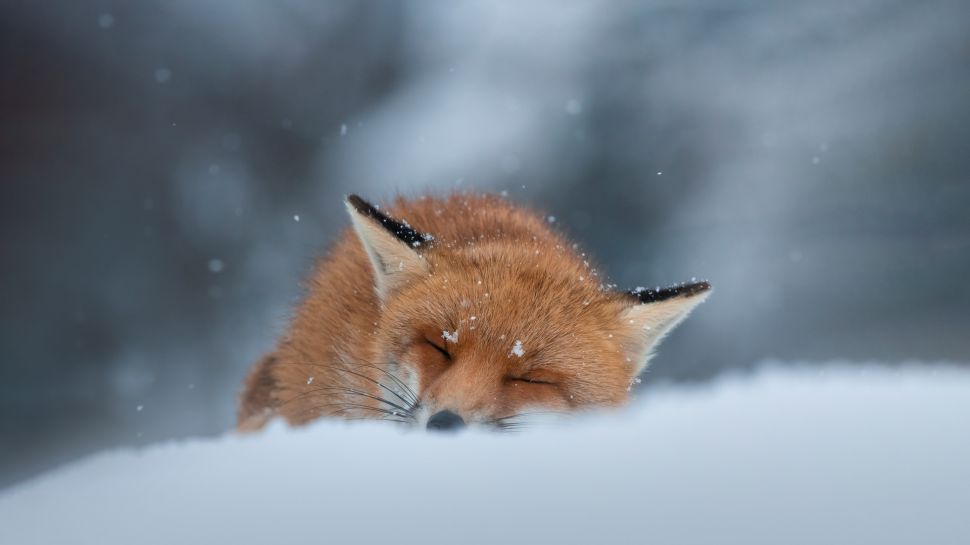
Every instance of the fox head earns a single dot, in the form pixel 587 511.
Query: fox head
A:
pixel 484 316
pixel 486 331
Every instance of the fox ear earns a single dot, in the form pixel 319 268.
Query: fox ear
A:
pixel 657 312
pixel 391 245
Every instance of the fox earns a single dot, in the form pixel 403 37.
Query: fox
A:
pixel 458 311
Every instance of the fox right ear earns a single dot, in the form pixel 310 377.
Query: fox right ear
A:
pixel 392 246
pixel 655 313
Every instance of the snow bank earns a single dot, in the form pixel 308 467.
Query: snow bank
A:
pixel 849 455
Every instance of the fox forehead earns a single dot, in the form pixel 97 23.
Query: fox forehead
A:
pixel 506 306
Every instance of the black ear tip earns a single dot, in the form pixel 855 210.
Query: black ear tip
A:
pixel 401 230
pixel 358 203
pixel 697 287
pixel 644 295
pixel 365 208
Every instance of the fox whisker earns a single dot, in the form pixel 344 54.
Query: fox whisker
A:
pixel 344 408
pixel 400 384
pixel 380 368
pixel 337 389
pixel 411 401
pixel 527 414
pixel 509 428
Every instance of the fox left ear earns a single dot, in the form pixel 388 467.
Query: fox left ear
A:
pixel 657 312
pixel 392 246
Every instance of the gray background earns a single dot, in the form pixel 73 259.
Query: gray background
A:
pixel 810 158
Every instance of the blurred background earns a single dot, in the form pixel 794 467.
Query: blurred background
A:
pixel 170 169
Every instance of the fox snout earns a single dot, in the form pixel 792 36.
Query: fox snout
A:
pixel 445 421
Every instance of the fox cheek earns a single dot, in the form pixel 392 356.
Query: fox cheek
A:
pixel 257 403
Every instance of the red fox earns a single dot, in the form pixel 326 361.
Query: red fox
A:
pixel 458 311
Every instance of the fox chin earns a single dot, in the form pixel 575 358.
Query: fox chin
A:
pixel 456 311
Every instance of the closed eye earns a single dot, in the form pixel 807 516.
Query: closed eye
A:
pixel 531 380
pixel 440 349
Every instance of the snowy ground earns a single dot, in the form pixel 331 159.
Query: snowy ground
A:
pixel 847 455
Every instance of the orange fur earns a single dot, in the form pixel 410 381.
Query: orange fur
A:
pixel 495 275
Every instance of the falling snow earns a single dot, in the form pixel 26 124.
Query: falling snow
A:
pixel 162 75
pixel 517 349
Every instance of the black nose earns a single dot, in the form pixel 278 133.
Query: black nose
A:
pixel 445 421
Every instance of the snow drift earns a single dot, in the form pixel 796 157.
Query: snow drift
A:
pixel 841 455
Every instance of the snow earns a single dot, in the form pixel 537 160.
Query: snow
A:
pixel 106 21
pixel 162 75
pixel 838 454
pixel 517 349
pixel 450 336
